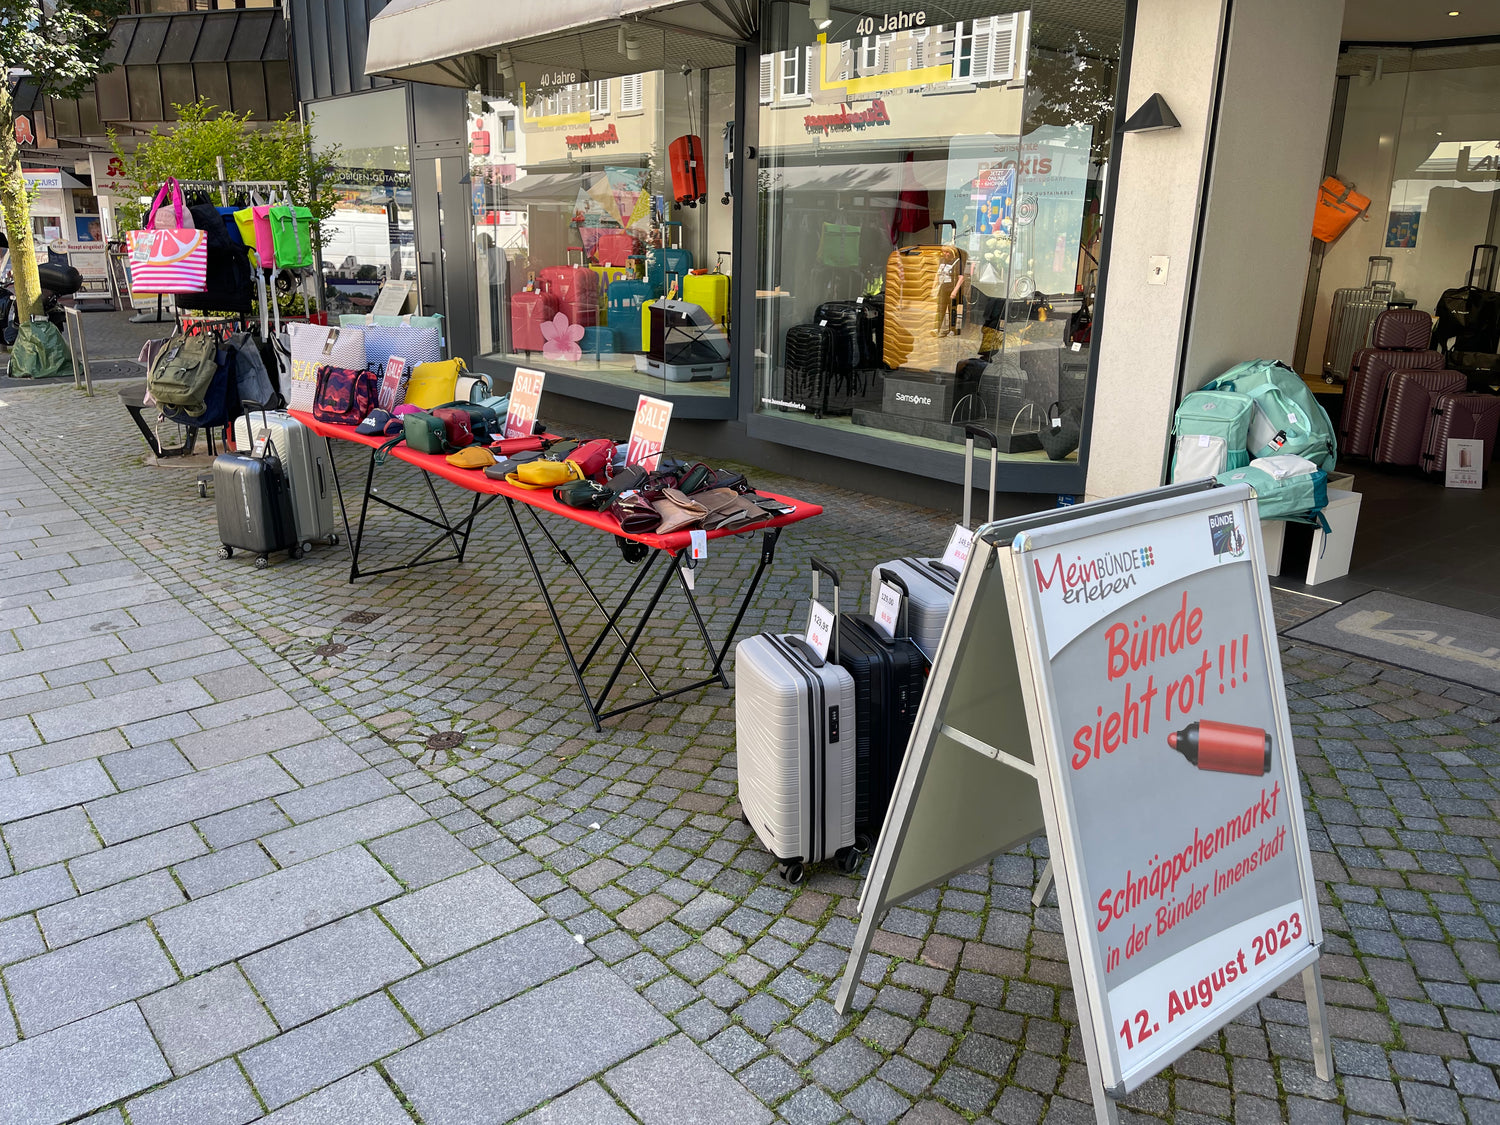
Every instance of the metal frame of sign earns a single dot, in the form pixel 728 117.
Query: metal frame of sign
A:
pixel 959 802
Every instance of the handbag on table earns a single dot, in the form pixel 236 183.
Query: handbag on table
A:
pixel 167 258
pixel 415 345
pixel 433 384
pixel 344 397
pixel 314 346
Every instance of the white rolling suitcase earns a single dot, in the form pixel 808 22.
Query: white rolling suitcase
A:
pixel 304 459
pixel 1352 315
pixel 795 742
pixel 930 583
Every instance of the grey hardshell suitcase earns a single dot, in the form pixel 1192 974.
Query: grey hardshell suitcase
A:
pixel 1352 314
pixel 304 460
pixel 253 506
pixel 795 746
pixel 930 583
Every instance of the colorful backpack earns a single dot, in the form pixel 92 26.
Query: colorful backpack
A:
pixel 1287 419
pixel 1212 429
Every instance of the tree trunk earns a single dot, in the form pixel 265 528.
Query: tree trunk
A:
pixel 15 203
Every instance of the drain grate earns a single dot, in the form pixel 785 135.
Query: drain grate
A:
pixel 362 617
pixel 445 740
pixel 333 648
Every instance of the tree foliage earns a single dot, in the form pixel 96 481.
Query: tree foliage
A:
pixel 58 46
pixel 203 133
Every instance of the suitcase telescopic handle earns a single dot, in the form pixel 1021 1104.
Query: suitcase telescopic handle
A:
pixel 973 433
pixel 903 624
pixel 821 567
pixel 941 223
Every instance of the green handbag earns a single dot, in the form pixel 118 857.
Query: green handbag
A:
pixel 292 235
pixel 426 433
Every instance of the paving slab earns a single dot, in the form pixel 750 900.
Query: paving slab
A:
pixel 503 1062
pixel 589 1104
pixel 31 890
pixel 261 734
pixel 423 854
pixel 459 913
pixel 676 1083
pixel 318 1053
pixel 361 1099
pixel 207 1018
pixel 316 972
pixel 104 910
pixel 49 838
pixel 119 710
pixel 35 793
pixel 136 857
pixel 88 977
pixel 216 1095
pixel 455 990
pixel 54 1077
pixel 366 822
pixel 249 916
pixel 138 812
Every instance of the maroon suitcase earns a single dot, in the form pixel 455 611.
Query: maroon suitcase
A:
pixel 576 291
pixel 1398 342
pixel 1406 411
pixel 1459 414
pixel 528 310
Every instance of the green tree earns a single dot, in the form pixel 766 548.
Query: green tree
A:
pixel 203 133
pixel 58 45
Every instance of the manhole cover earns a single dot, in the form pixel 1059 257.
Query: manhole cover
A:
pixel 331 649
pixel 362 617
pixel 444 740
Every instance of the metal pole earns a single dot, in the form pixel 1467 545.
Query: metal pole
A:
pixel 223 182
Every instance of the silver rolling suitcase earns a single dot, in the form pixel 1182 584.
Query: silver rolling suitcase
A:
pixel 304 458
pixel 929 582
pixel 1353 314
pixel 795 744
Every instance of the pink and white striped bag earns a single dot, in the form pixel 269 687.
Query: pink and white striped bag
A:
pixel 172 259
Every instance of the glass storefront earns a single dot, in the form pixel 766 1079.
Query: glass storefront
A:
pixel 603 219
pixel 931 194
pixel 1419 134
pixel 371 236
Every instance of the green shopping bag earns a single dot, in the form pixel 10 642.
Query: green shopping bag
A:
pixel 40 352
pixel 292 236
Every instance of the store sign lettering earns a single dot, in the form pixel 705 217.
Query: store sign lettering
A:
pixel 593 138
pixel 894 21
pixel 846 119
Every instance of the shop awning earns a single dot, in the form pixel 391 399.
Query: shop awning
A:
pixel 454 42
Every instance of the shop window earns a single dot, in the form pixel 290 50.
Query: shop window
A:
pixel 600 246
pixel 927 262
pixel 506 131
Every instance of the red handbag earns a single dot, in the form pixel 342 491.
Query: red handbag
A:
pixel 509 447
pixel 458 424
pixel 595 459
pixel 344 396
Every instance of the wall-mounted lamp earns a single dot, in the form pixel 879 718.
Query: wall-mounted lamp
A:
pixel 817 11
pixel 632 46
pixel 1154 115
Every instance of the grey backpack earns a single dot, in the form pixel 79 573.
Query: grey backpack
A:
pixel 254 384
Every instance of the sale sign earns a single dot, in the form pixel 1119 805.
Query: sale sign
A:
pixel 1167 753
pixel 648 434
pixel 525 399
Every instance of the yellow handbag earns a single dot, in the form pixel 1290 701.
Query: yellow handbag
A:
pixel 474 457
pixel 544 474
pixel 433 384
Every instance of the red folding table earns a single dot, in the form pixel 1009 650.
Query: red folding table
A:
pixel 672 547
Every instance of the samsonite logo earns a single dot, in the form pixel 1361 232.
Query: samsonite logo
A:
pixel 915 400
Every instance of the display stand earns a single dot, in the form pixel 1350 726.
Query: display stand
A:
pixel 1047 622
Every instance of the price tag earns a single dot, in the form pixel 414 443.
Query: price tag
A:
pixel 1077 347
pixel 958 548
pixel 699 548
pixel 888 608
pixel 820 629
pixel 648 434
pixel 262 439
pixel 525 400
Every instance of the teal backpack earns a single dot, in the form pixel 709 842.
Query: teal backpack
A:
pixel 1212 429
pixel 1286 418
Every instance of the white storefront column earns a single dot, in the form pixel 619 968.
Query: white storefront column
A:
pixel 1226 200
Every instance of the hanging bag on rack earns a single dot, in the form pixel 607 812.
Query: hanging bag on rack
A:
pixel 265 244
pixel 167 259
pixel 292 235
pixel 256 235
pixel 315 346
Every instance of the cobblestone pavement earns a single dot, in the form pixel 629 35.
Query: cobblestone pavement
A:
pixel 278 847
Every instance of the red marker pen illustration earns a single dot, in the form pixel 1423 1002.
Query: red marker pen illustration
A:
pixel 1224 747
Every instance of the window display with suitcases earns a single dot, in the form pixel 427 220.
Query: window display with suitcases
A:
pixel 947 247
pixel 596 222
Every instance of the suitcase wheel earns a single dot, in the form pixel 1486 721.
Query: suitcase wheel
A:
pixel 333 540
pixel 295 552
pixel 226 551
pixel 793 873
pixel 306 546
pixel 202 489
pixel 261 562
pixel 863 843
pixel 848 860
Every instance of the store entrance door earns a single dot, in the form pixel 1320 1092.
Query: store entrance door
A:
pixel 444 268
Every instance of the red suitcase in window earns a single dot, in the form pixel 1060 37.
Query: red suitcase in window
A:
pixel 576 291
pixel 1398 342
pixel 1409 399
pixel 689 175
pixel 1460 415
pixel 528 311
pixel 616 248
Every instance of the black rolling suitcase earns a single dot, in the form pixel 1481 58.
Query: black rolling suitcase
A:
pixel 845 322
pixel 805 378
pixel 254 506
pixel 889 675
